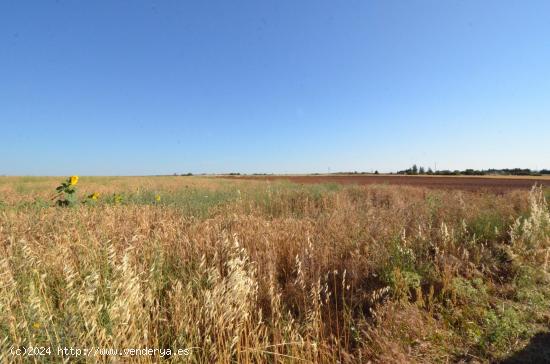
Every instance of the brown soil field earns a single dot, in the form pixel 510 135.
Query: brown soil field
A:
pixel 492 183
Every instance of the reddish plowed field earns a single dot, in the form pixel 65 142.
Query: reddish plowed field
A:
pixel 497 184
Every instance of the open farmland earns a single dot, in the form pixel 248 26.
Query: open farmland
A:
pixel 495 184
pixel 255 271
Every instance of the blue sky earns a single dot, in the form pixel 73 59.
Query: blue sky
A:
pixel 157 87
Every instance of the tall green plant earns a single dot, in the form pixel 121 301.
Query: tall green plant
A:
pixel 66 192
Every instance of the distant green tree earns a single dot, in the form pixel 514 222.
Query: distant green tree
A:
pixel 414 169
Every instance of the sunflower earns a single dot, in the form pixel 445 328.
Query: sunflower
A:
pixel 157 198
pixel 94 196
pixel 117 198
pixel 73 180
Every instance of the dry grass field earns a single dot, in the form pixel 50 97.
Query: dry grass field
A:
pixel 251 271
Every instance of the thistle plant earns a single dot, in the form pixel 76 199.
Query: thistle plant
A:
pixel 66 192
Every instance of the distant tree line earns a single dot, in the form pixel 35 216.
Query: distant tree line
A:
pixel 416 170
pixel 419 170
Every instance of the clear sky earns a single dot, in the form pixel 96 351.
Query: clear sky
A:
pixel 287 86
